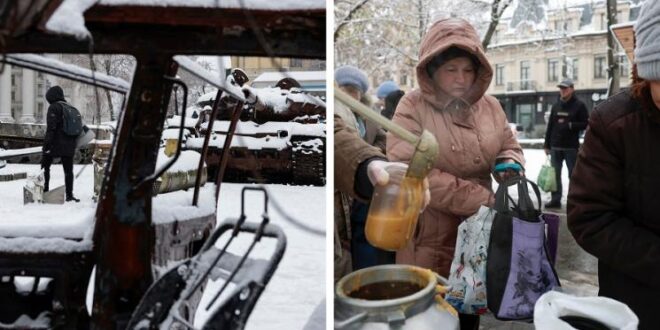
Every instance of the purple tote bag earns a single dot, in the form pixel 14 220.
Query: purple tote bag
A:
pixel 519 270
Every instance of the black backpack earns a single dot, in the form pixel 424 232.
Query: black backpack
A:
pixel 71 120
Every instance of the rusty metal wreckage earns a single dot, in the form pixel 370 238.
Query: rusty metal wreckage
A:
pixel 124 236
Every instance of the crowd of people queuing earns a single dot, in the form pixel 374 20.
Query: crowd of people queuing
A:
pixel 613 174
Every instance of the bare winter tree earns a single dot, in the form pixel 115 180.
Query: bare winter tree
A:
pixel 497 9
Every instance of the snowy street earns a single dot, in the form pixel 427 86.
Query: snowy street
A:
pixel 297 286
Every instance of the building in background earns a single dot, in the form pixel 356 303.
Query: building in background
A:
pixel 254 66
pixel 530 60
pixel 22 95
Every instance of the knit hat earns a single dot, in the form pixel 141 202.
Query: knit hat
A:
pixel 350 75
pixel 647 50
pixel 385 88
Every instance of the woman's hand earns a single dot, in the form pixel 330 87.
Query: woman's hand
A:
pixel 508 173
pixel 376 170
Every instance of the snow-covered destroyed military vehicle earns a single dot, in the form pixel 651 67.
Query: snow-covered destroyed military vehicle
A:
pixel 280 137
pixel 153 254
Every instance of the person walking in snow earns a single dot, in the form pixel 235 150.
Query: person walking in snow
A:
pixel 57 143
pixel 568 118
pixel 473 135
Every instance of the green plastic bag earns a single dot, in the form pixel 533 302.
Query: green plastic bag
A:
pixel 547 180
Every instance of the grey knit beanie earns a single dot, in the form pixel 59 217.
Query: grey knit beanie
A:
pixel 647 49
pixel 350 75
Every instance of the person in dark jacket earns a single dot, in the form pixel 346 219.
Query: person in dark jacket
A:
pixel 613 197
pixel 568 118
pixel 391 102
pixel 56 143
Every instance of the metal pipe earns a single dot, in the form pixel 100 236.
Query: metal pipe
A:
pixel 205 147
pixel 238 108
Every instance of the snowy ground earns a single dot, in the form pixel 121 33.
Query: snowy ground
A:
pixel 299 282
pixel 297 286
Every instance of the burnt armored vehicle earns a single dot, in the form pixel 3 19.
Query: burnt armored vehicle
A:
pixel 279 138
pixel 132 237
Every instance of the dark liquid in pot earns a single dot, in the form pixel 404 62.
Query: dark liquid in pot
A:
pixel 385 290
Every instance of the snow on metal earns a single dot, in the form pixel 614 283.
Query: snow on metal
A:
pixel 69 71
pixel 177 205
pixel 188 160
pixel 69 19
pixel 5 154
pixel 252 128
pixel 228 86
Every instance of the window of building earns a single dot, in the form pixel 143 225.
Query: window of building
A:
pixel 499 74
pixel 574 69
pixel 403 80
pixel 553 74
pixel 624 65
pixel 296 63
pixel 525 74
pixel 600 66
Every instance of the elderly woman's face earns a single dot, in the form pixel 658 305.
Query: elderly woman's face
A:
pixel 655 92
pixel 455 77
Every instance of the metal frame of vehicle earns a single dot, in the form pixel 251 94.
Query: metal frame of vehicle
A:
pixel 124 236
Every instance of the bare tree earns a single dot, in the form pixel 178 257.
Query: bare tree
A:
pixel 497 9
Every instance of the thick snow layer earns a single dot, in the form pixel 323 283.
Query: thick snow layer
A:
pixel 274 98
pixel 68 220
pixel 175 121
pixel 252 128
pixel 68 17
pixel 252 143
pixel 207 97
pixel 188 160
pixel 279 99
pixel 177 205
pixel 298 284
pixel 4 154
pixel 68 227
pixel 172 133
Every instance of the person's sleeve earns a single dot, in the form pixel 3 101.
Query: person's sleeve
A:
pixel 350 152
pixel 449 193
pixel 582 119
pixel 381 140
pixel 510 147
pixel 52 118
pixel 597 216
pixel 548 129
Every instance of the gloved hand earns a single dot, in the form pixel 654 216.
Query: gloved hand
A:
pixel 376 170
pixel 509 173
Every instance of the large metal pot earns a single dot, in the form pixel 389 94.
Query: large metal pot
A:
pixel 420 309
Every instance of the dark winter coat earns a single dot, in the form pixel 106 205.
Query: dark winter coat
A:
pixel 350 152
pixel 56 143
pixel 613 202
pixel 473 135
pixel 567 120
